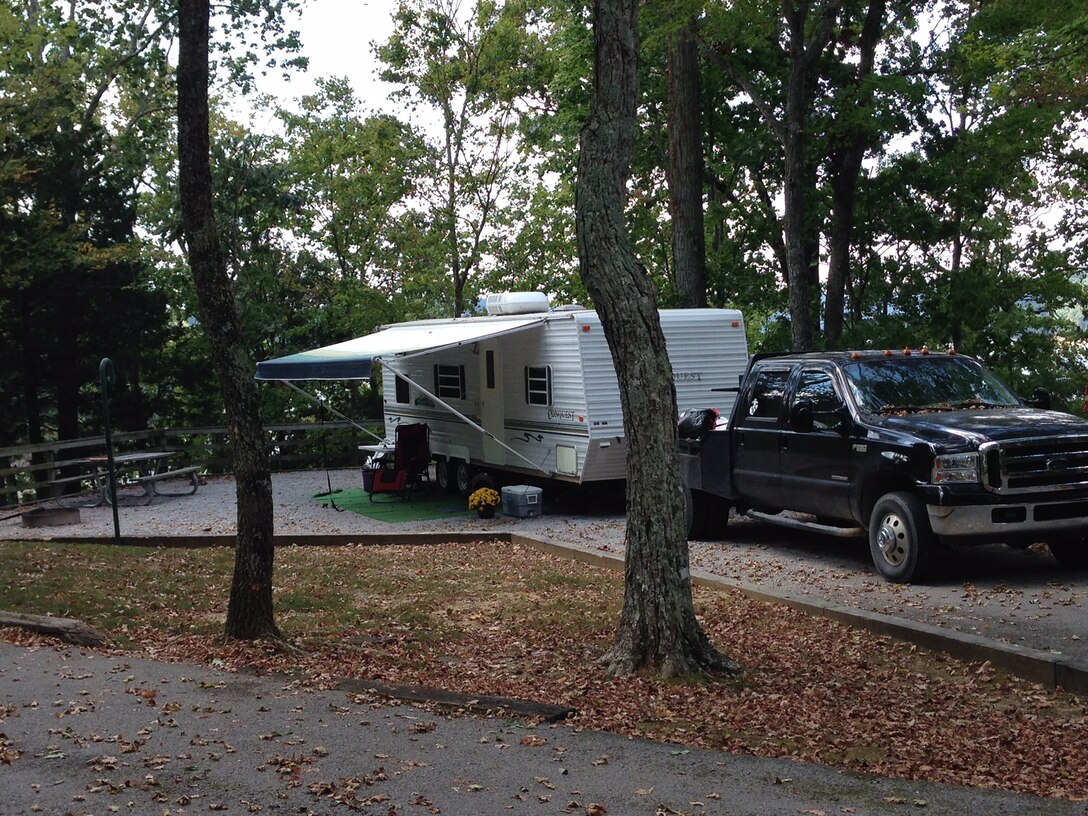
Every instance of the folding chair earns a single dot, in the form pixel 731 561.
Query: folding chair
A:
pixel 410 463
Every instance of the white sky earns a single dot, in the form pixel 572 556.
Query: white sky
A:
pixel 337 37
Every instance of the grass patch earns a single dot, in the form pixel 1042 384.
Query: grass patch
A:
pixel 507 620
pixel 425 504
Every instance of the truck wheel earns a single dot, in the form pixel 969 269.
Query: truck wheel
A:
pixel 900 539
pixel 462 477
pixel 443 474
pixel 1071 553
pixel 717 516
pixel 694 511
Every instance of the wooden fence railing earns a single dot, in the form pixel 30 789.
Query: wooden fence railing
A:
pixel 30 473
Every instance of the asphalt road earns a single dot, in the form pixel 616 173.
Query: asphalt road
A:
pixel 89 734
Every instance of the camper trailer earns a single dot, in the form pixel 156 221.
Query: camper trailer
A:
pixel 523 389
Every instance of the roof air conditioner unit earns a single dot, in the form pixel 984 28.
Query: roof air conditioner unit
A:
pixel 515 303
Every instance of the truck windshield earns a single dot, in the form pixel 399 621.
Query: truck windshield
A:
pixel 906 384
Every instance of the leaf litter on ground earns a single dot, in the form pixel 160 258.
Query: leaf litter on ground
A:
pixel 507 620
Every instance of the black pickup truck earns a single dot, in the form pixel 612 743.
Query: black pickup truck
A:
pixel 912 449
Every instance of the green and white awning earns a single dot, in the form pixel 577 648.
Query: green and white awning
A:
pixel 352 359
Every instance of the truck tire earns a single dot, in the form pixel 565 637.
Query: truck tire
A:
pixel 1072 553
pixel 443 474
pixel 717 516
pixel 900 540
pixel 695 514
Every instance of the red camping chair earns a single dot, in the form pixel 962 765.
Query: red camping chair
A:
pixel 410 464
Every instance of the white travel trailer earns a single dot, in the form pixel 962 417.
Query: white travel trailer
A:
pixel 523 389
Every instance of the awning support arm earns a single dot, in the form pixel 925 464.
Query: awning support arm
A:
pixel 462 417
pixel 320 401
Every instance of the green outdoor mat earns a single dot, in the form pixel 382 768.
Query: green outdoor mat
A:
pixel 422 506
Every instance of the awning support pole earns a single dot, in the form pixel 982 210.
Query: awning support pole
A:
pixel 323 404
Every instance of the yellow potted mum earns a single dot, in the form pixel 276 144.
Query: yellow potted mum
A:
pixel 484 500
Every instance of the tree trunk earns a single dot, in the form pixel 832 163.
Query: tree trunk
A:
pixel 846 161
pixel 658 627
pixel 807 42
pixel 796 195
pixel 955 295
pixel 685 171
pixel 249 612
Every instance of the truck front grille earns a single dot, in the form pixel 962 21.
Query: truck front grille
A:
pixel 1026 465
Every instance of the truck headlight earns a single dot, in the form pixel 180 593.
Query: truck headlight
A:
pixel 955 467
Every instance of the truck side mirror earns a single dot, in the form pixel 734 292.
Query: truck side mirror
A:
pixel 801 416
pixel 1040 399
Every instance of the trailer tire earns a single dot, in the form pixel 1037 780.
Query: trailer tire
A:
pixel 483 479
pixel 444 474
pixel 462 476
pixel 901 541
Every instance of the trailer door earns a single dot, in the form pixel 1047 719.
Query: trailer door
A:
pixel 492 400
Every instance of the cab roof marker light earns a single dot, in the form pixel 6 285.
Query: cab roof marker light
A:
pixel 906 352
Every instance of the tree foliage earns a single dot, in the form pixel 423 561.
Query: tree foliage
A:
pixel 934 192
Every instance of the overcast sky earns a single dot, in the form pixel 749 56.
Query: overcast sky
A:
pixel 337 37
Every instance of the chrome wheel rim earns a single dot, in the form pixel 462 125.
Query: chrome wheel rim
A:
pixel 892 539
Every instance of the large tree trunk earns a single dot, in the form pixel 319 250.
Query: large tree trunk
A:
pixel 846 158
pixel 797 194
pixel 685 171
pixel 807 41
pixel 658 627
pixel 249 612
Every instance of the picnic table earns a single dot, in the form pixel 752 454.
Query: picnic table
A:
pixel 142 469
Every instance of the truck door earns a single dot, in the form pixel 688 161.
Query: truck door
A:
pixel 816 463
pixel 756 435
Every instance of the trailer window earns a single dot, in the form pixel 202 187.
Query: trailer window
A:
pixel 401 386
pixel 538 385
pixel 449 381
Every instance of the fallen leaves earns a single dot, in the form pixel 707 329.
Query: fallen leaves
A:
pixel 8 754
pixel 508 621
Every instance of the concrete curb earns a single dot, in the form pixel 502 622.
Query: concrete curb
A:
pixel 1046 668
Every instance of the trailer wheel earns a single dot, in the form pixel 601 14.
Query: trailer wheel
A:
pixel 462 477
pixel 900 539
pixel 443 474
pixel 483 479
pixel 1072 553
